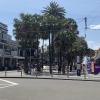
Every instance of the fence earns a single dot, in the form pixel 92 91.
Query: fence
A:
pixel 33 73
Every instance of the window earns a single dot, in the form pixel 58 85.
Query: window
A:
pixel 1 46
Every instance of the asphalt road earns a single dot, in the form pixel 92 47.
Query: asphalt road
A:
pixel 45 89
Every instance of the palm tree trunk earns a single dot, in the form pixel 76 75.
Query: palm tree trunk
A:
pixel 63 64
pixel 38 68
pixel 60 61
pixel 42 52
pixel 71 61
pixel 52 39
pixel 25 61
pixel 50 54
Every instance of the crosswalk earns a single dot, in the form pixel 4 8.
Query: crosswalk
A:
pixel 5 83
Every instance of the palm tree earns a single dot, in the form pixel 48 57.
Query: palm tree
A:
pixel 43 35
pixel 26 30
pixel 72 32
pixel 54 10
pixel 62 45
pixel 80 47
pixel 53 15
pixel 63 42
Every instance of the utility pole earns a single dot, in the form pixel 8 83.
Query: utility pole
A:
pixel 85 20
pixel 84 54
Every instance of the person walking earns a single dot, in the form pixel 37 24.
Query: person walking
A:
pixel 78 69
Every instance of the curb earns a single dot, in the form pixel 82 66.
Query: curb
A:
pixel 72 79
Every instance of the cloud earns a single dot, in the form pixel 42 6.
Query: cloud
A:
pixel 93 45
pixel 94 27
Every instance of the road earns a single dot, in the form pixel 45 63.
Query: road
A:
pixel 48 89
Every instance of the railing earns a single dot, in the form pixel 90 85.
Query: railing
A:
pixel 44 73
pixel 12 53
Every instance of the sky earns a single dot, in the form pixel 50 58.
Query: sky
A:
pixel 76 9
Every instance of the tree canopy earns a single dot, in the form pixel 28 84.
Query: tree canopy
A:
pixel 52 25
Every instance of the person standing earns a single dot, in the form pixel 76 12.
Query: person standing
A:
pixel 78 69
pixel 84 67
pixel 17 66
pixel 78 66
pixel 92 67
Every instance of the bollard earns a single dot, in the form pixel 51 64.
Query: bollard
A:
pixel 67 72
pixel 36 72
pixel 51 75
pixel 21 73
pixel 5 71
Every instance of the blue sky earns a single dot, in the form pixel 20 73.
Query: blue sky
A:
pixel 77 9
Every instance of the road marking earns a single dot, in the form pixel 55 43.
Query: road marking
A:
pixel 7 85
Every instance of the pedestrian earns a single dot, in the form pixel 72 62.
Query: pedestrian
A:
pixel 29 68
pixel 78 69
pixel 84 67
pixel 17 66
pixel 21 66
pixel 92 67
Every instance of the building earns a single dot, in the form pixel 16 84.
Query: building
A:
pixel 97 54
pixel 9 54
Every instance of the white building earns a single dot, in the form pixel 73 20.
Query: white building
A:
pixel 8 49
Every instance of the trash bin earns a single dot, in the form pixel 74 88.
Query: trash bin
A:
pixel 78 72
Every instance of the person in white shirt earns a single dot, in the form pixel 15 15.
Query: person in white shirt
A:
pixel 84 67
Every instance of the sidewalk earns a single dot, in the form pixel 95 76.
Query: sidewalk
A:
pixel 46 75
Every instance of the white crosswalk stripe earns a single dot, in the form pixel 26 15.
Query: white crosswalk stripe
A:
pixel 7 83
